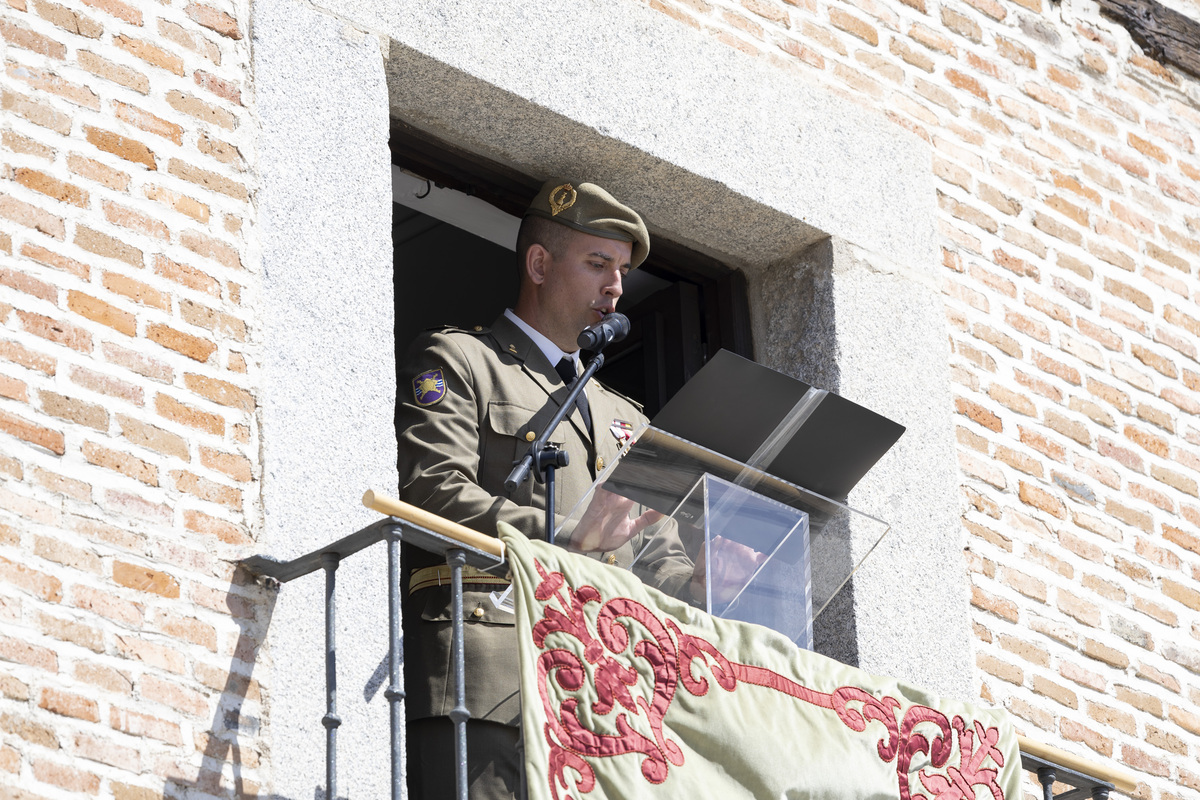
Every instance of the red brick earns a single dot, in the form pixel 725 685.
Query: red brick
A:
pixel 26 39
pixel 100 173
pixel 226 90
pixel 99 311
pixel 1009 673
pixel 101 67
pixel 193 347
pixel 187 276
pixel 219 391
pixel 137 724
pixel 66 777
pixel 121 146
pixel 69 705
pixel 52 259
pixel 149 436
pixel 39 584
pixel 31 655
pixel 141 364
pixel 179 202
pixel 104 245
pixel 118 9
pixel 1181 593
pixel 106 678
pixel 31 216
pixel 225 325
pixel 148 122
pixel 150 53
pixel 1130 516
pixel 14 389
pixel 174 696
pixel 1140 760
pixel 33 433
pixel 1148 441
pixel 172 409
pixel 1060 694
pixel 30 359
pixel 1074 732
pixel 23 282
pixel 224 531
pixel 106 751
pixel 205 112
pixel 123 463
pixel 214 20
pixel 106 605
pixel 145 579
pixel 137 291
pixel 205 489
pixel 40 182
pixel 207 179
pixel 37 113
pixel 1002 608
pixel 135 221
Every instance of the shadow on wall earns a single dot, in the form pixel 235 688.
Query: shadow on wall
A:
pixel 223 761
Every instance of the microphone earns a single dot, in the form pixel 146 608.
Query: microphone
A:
pixel 613 328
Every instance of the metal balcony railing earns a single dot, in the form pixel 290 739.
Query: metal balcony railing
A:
pixel 461 546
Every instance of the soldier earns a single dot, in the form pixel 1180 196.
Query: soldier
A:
pixel 471 401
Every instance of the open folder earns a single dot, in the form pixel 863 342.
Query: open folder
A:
pixel 735 407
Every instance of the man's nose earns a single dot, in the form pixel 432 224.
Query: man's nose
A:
pixel 615 286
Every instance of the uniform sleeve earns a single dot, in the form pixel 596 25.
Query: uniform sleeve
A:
pixel 439 442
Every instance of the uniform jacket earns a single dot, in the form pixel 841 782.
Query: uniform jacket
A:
pixel 454 455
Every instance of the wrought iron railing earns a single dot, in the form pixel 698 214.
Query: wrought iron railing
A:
pixel 461 546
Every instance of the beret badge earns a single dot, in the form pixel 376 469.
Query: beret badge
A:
pixel 562 198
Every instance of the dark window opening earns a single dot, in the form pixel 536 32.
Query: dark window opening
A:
pixel 683 306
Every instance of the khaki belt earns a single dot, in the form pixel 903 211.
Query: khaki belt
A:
pixel 440 576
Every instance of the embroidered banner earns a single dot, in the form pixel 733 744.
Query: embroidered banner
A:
pixel 627 692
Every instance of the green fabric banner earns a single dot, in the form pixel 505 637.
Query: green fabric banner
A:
pixel 629 693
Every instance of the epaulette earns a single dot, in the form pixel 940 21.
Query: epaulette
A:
pixel 611 390
pixel 474 330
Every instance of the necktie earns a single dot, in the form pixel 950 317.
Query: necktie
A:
pixel 566 370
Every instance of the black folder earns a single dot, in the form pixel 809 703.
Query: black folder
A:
pixel 732 405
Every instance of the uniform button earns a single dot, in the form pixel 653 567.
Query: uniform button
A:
pixel 478 612
pixel 529 437
pixel 599 463
pixel 612 559
pixel 478 327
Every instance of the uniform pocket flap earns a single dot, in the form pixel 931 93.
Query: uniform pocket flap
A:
pixel 509 419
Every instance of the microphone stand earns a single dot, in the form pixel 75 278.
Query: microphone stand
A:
pixel 545 457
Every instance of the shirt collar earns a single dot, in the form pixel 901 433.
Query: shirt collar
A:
pixel 553 352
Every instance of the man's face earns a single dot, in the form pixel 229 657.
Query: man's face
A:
pixel 582 284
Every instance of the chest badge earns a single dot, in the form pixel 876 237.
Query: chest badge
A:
pixel 429 387
pixel 622 431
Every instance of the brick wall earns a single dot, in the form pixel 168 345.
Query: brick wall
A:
pixel 128 435
pixel 1070 204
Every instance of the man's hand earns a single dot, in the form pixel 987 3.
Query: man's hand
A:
pixel 733 564
pixel 606 524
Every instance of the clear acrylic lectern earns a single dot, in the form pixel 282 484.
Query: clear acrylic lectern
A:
pixel 756 548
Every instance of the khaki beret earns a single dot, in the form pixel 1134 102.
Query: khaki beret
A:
pixel 588 208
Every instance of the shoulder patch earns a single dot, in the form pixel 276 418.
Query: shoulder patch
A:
pixel 429 387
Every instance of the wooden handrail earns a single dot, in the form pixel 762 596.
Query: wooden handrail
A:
pixel 1123 781
pixel 398 508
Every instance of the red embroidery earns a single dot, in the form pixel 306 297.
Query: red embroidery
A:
pixel 674 658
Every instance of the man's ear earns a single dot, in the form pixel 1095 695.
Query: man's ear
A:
pixel 537 260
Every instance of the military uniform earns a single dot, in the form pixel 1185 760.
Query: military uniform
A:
pixel 471 401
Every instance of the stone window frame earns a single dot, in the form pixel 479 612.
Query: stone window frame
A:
pixel 828 208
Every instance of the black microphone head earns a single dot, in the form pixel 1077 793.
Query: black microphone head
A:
pixel 613 328
pixel 620 325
